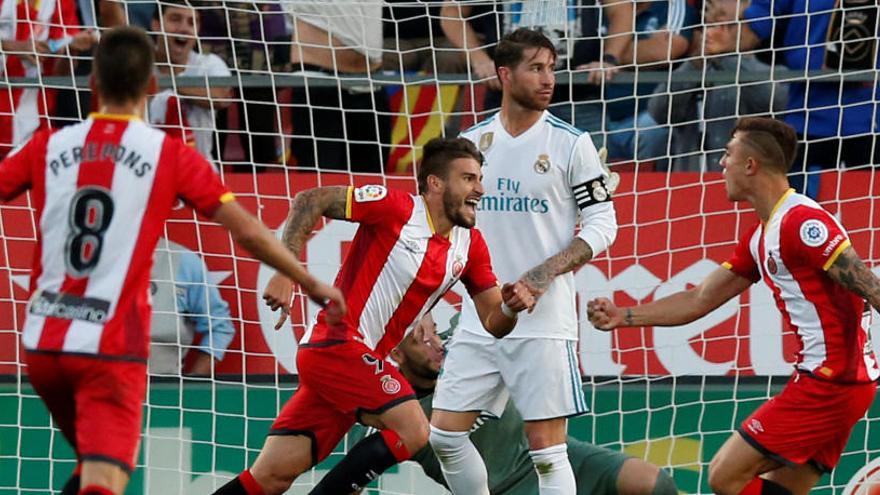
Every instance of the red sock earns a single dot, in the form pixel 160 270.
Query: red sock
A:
pixel 95 490
pixel 395 444
pixel 250 483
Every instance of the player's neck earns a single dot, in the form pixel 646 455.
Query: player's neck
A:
pixel 440 223
pixel 767 200
pixel 134 109
pixel 516 118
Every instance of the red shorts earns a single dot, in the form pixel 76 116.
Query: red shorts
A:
pixel 96 403
pixel 809 422
pixel 338 383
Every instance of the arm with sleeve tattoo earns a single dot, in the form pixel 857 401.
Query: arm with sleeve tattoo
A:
pixel 305 210
pixel 539 278
pixel 850 271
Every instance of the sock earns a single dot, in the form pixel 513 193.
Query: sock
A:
pixel 364 462
pixel 463 468
pixel 72 485
pixel 664 484
pixel 243 484
pixel 96 490
pixel 555 476
pixel 760 486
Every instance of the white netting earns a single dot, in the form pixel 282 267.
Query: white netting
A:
pixel 274 128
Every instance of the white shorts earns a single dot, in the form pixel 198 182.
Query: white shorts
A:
pixel 481 373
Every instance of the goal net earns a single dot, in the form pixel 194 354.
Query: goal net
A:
pixel 275 123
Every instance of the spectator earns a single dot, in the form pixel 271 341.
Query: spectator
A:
pixel 253 39
pixel 834 120
pixel 35 38
pixel 337 127
pixel 702 114
pixel 664 30
pixel 414 41
pixel 186 111
pixel 573 26
pixel 184 304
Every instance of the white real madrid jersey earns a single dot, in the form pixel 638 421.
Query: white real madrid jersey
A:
pixel 530 210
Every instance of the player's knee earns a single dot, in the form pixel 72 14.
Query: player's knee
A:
pixel 416 436
pixel 448 443
pixel 719 481
pixel 275 483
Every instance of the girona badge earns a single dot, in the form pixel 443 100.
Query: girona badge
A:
pixel 365 194
pixel 457 268
pixel 390 385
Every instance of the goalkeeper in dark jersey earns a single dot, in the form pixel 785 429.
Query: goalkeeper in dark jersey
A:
pixel 598 471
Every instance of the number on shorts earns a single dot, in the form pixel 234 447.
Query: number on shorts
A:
pixel 91 210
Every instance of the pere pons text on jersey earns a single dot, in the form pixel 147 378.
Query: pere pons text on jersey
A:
pixel 108 151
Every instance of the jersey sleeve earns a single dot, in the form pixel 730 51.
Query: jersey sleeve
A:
pixel 478 275
pixel 16 170
pixel 742 262
pixel 375 204
pixel 586 178
pixel 812 237
pixel 197 183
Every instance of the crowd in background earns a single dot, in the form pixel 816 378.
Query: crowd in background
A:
pixel 656 82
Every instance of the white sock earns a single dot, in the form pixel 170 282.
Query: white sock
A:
pixel 555 476
pixel 462 466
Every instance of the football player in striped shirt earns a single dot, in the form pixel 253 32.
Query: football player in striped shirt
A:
pixel 408 251
pixel 102 190
pixel 820 286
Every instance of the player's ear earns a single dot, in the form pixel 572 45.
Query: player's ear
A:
pixel 435 182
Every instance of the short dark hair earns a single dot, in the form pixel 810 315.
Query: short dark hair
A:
pixel 773 139
pixel 509 52
pixel 439 153
pixel 124 64
pixel 161 5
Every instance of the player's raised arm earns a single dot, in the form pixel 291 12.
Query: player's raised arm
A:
pixel 851 272
pixel 251 234
pixel 677 309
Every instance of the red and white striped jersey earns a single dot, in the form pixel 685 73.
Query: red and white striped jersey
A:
pixel 793 251
pixel 398 268
pixel 102 190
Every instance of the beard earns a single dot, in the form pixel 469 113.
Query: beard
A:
pixel 453 209
pixel 530 103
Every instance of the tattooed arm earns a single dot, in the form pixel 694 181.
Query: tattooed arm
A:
pixel 305 210
pixel 538 279
pixel 850 271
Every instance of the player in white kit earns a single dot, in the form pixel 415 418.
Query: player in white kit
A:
pixel 540 175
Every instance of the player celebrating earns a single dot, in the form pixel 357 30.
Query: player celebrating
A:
pixel 599 471
pixel 408 251
pixel 541 174
pixel 102 190
pixel 820 285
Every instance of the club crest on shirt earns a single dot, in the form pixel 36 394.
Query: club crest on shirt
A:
pixel 486 141
pixel 814 233
pixel 390 385
pixel 771 264
pixel 369 193
pixel 542 164
pixel 457 267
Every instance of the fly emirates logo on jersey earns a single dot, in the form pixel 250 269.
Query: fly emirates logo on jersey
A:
pixel 507 197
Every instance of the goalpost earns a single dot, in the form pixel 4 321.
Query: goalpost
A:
pixel 668 395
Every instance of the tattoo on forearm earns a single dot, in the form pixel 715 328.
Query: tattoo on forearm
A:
pixel 850 271
pixel 576 254
pixel 306 209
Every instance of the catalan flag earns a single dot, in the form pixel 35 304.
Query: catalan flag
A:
pixel 419 113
